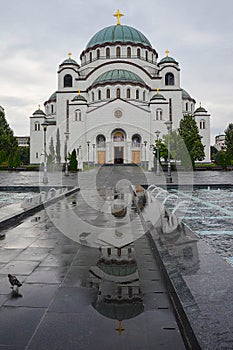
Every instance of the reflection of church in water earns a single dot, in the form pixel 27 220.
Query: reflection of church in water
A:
pixel 108 106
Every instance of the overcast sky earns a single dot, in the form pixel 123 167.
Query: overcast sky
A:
pixel 36 36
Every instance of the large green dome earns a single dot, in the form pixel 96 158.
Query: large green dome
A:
pixel 118 33
pixel 118 75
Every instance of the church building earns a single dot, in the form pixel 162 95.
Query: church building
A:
pixel 109 105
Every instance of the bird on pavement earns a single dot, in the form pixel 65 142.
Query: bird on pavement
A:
pixel 14 282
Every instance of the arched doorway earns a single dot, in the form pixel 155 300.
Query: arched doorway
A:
pixel 101 149
pixel 118 137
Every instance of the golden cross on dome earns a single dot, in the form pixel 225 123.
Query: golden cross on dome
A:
pixel 69 55
pixel 79 92
pixel 118 15
pixel 167 52
pixel 158 89
pixel 38 106
pixel 120 329
pixel 200 104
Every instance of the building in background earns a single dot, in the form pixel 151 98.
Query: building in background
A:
pixel 220 142
pixel 23 141
pixel 109 105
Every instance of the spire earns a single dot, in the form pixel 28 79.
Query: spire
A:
pixel 167 52
pixel 118 15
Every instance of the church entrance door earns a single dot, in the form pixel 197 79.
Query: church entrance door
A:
pixel 136 157
pixel 118 155
pixel 101 157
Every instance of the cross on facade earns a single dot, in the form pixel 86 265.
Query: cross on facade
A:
pixel 118 15
pixel 120 329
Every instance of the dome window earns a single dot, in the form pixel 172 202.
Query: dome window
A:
pixel 128 93
pixel 99 95
pixel 118 93
pixel 90 56
pixel 169 79
pixel 202 124
pixel 146 55
pixel 107 52
pixel 128 52
pixel 68 80
pixel 78 116
pixel 118 52
pixel 187 106
pixel 138 53
pixel 52 109
pixel 144 95
pixel 108 94
pixel 37 126
pixel 98 54
pixel 93 97
pixel 137 94
pixel 159 114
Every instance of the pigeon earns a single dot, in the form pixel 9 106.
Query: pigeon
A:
pixel 14 281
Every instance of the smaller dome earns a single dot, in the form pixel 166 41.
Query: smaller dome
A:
pixel 185 95
pixel 39 112
pixel 200 110
pixel 69 61
pixel 79 98
pixel 158 97
pixel 167 60
pixel 118 76
pixel 53 97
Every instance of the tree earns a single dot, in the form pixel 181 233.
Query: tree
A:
pixel 58 147
pixel 188 131
pixel 24 155
pixel 229 141
pixel 213 152
pixel 51 156
pixel 8 143
pixel 73 161
pixel 163 152
pixel 223 159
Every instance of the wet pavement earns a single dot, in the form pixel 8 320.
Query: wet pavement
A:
pixel 90 279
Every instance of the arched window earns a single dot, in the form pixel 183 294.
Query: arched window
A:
pixel 169 79
pixel 37 126
pixel 138 53
pixel 98 54
pixel 202 124
pixel 136 141
pixel 90 56
pixel 118 93
pixel 137 94
pixel 78 115
pixel 146 55
pixel 144 95
pixel 108 93
pixel 68 80
pixel 191 107
pixel 52 109
pixel 37 155
pixel 118 52
pixel 99 94
pixel 186 106
pixel 128 52
pixel 93 97
pixel 100 141
pixel 128 93
pixel 159 114
pixel 107 52
pixel 118 136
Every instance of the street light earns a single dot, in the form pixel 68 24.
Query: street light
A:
pixel 145 143
pixel 45 176
pixel 157 133
pixel 169 176
pixel 66 154
pixel 88 145
pixel 93 147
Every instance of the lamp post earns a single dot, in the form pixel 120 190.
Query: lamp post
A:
pixel 169 176
pixel 145 143
pixel 157 133
pixel 88 146
pixel 93 148
pixel 66 154
pixel 45 176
